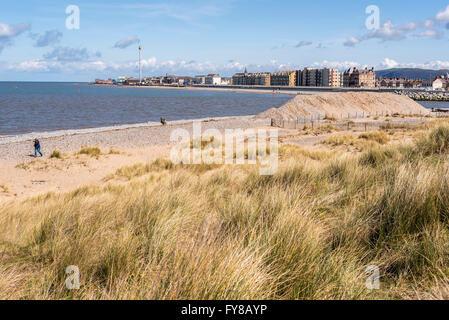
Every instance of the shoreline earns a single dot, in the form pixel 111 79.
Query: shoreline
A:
pixel 18 138
pixel 124 137
pixel 293 91
pixel 220 89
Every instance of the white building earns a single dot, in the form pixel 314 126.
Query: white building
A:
pixel 213 79
pixel 226 81
pixel 440 84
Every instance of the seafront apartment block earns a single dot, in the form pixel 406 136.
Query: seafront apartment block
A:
pixel 308 77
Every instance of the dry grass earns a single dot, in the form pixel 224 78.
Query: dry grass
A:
pixel 364 141
pixel 93 152
pixel 377 136
pixel 319 131
pixel 225 232
pixel 56 154
pixel 339 140
pixel 4 188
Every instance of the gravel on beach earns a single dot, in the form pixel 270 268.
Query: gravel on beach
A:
pixel 120 139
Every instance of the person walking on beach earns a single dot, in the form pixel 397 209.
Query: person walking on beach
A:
pixel 37 148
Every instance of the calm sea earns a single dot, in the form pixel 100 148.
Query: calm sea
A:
pixel 27 107
pixel 37 107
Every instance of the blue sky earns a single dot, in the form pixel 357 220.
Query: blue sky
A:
pixel 206 36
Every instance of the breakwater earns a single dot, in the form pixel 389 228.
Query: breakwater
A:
pixel 425 95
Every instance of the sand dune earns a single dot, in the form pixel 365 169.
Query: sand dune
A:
pixel 340 105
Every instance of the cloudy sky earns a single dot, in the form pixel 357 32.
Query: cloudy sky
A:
pixel 205 36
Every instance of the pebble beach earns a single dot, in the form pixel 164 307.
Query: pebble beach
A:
pixel 120 139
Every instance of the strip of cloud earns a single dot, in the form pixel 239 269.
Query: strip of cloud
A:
pixel 125 43
pixel 150 66
pixel 50 37
pixel 431 33
pixel 303 44
pixel 443 15
pixel 10 31
pixel 340 65
pixel 67 54
pixel 388 63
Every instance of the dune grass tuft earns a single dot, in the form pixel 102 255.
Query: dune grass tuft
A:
pixel 94 152
pixel 56 154
pixel 378 136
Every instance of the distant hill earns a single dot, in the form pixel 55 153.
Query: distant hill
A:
pixel 410 73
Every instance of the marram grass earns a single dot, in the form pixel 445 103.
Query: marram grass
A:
pixel 225 232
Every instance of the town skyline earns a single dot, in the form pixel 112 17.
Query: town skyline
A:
pixel 222 37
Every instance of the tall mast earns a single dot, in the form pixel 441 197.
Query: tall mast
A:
pixel 140 64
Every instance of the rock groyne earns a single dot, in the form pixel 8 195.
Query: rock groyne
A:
pixel 425 95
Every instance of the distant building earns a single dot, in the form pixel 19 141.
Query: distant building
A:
pixel 121 80
pixel 199 79
pixel 132 81
pixel 213 79
pixel 225 81
pixel 251 79
pixel 330 78
pixel 398 83
pixel 185 81
pixel 355 78
pixel 283 78
pixel 428 83
pixel 101 81
pixel 440 84
pixel 311 78
pixel 154 81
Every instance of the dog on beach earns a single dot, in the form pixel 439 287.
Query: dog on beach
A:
pixel 163 121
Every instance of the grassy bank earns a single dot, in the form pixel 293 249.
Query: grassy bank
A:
pixel 225 232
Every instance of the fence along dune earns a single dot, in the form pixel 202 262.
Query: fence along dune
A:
pixel 340 105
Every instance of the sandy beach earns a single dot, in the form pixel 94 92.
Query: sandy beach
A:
pixel 22 175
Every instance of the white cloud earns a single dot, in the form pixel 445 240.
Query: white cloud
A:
pixel 443 15
pixel 389 32
pixel 436 65
pixel 351 42
pixel 33 66
pixel 10 31
pixel 151 66
pixel 388 64
pixel 430 33
pixel 125 43
pixel 341 65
